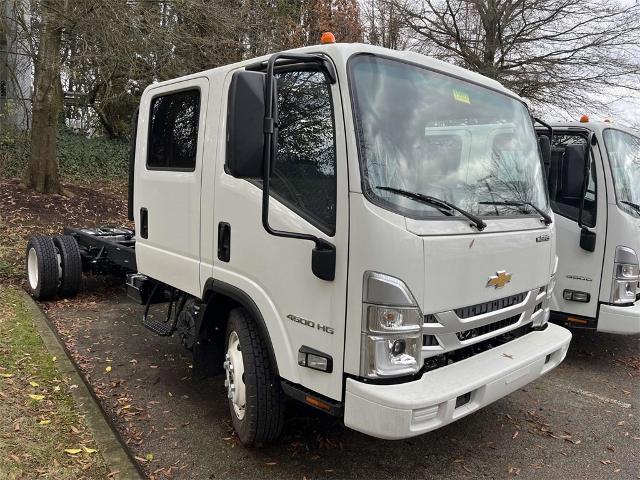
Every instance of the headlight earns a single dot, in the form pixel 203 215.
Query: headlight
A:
pixel 382 319
pixel 391 328
pixel 626 273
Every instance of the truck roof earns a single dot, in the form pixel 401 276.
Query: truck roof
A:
pixel 345 50
pixel 594 126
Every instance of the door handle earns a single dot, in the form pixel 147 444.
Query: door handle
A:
pixel 144 223
pixel 224 241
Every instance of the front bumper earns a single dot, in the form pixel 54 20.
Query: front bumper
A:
pixel 408 409
pixel 621 320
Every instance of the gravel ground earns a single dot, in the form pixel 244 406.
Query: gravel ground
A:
pixel 579 421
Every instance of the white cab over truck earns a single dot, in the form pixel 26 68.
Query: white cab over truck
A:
pixel 594 186
pixel 367 231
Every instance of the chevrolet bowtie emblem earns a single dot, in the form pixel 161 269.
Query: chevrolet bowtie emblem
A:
pixel 499 280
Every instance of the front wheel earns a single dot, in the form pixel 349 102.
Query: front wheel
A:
pixel 256 401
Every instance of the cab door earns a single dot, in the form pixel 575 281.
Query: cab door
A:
pixel 309 194
pixel 168 164
pixel 576 295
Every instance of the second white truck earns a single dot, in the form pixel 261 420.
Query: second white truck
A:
pixel 594 185
pixel 364 230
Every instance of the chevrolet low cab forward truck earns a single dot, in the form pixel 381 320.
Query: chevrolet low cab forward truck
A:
pixel 364 230
pixel 593 176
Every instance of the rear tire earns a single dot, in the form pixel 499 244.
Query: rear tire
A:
pixel 42 268
pixel 71 263
pixel 256 401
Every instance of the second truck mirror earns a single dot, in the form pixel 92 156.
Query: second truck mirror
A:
pixel 587 240
pixel 245 125
pixel 545 149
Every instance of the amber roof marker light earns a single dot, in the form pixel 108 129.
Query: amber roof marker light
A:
pixel 584 119
pixel 327 37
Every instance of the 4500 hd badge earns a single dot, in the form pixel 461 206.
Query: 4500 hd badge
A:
pixel 310 323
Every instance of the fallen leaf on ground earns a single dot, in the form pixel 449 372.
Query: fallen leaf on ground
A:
pixel 108 369
pixel 149 457
pixel 6 375
pixel 44 422
pixel 72 451
pixel 34 384
pixel 89 450
pixel 37 398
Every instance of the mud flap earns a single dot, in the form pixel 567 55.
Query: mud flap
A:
pixel 208 349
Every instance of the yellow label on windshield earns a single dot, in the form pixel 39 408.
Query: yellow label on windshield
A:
pixel 461 96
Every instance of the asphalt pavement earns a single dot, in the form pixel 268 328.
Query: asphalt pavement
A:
pixel 579 421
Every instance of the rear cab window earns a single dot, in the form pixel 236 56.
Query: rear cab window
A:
pixel 173 131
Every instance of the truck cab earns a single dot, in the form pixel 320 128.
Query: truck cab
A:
pixel 364 230
pixel 594 186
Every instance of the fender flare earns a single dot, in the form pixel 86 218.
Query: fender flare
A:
pixel 213 287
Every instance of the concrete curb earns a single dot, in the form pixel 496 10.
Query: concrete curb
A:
pixel 116 455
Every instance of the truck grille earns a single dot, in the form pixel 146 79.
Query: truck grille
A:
pixel 492 327
pixel 461 328
pixel 488 307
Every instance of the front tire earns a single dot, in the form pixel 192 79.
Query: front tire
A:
pixel 256 400
pixel 42 268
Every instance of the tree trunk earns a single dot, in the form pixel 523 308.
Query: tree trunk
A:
pixel 42 173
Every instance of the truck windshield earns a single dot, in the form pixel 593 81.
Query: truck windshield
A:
pixel 623 150
pixel 431 134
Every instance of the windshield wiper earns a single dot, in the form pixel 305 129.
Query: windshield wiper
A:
pixel 545 217
pixel 631 204
pixel 439 204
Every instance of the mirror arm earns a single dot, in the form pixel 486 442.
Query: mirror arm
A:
pixel 547 126
pixel 323 261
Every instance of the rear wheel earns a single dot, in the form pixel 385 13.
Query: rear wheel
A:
pixel 42 268
pixel 256 401
pixel 71 265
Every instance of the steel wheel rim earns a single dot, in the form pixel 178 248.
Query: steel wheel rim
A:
pixel 234 370
pixel 32 268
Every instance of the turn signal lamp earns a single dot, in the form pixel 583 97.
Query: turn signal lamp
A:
pixel 327 37
pixel 584 119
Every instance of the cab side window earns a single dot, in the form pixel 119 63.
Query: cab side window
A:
pixel 173 131
pixel 304 173
pixel 565 177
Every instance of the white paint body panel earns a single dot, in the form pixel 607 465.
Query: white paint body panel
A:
pixel 171 253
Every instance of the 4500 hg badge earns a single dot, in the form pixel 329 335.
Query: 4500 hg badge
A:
pixel 310 323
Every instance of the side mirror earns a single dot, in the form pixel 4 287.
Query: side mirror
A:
pixel 245 125
pixel 587 240
pixel 545 148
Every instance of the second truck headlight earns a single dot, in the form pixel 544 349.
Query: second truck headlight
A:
pixel 625 276
pixel 391 328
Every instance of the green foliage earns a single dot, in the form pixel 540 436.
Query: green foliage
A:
pixel 14 151
pixel 98 158
pixel 80 158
